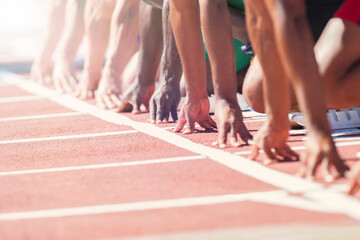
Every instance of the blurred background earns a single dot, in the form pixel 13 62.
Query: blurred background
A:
pixel 21 26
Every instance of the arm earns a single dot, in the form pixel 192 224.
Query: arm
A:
pixel 42 66
pixel 97 30
pixel 122 46
pixel 273 134
pixel 184 15
pixel 295 46
pixel 216 22
pixel 64 75
pixel 140 91
pixel 166 98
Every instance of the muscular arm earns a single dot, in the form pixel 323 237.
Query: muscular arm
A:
pixel 140 91
pixel 166 98
pixel 184 15
pixel 216 22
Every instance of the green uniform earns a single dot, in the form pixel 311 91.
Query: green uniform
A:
pixel 241 59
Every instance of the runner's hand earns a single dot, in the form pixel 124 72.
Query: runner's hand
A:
pixel 192 112
pixel 108 93
pixel 273 142
pixel 64 77
pixel 135 96
pixel 164 101
pixel 320 150
pixel 354 180
pixel 229 119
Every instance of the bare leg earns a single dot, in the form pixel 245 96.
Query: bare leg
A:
pixel 42 66
pixel 338 55
pixel 122 46
pixel 64 75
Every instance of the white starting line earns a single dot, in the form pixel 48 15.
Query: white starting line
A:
pixel 105 165
pixel 53 115
pixel 316 193
pixel 20 99
pixel 55 138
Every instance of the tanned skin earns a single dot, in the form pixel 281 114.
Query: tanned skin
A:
pixel 278 29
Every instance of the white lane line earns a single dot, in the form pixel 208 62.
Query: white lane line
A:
pixel 338 144
pixel 54 115
pixel 88 135
pixel 271 197
pixel 240 164
pixel 105 165
pixel 20 99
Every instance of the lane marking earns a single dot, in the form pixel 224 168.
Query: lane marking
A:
pixel 20 99
pixel 53 115
pixel 87 135
pixel 105 165
pixel 238 163
pixel 271 197
pixel 338 144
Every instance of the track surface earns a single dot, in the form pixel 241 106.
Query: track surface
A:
pixel 71 171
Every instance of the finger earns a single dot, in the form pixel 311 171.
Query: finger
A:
pixel 65 84
pixel 254 152
pixel 245 134
pixel 89 94
pixel 152 111
pixel 292 154
pixel 190 126
pixel 268 153
pixel 233 137
pixel 313 164
pixel 222 137
pixel 125 106
pixel 180 125
pixel 58 86
pixel 326 172
pixel 115 99
pixel 165 117
pixel 159 113
pixel 341 167
pixel 136 107
pixel 212 122
pixel 73 81
pixel 205 125
pixel 109 103
pixel 173 108
pixel 100 102
pixel 354 187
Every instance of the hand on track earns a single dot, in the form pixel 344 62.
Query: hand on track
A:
pixel 108 93
pixel 87 85
pixel 192 112
pixel 135 96
pixel 164 101
pixel 273 142
pixel 320 150
pixel 40 71
pixel 354 180
pixel 64 77
pixel 229 119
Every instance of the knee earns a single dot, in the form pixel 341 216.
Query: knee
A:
pixel 253 93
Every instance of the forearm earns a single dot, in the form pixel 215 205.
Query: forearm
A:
pixel 123 36
pixel 239 25
pixel 150 44
pixel 53 29
pixel 97 28
pixel 216 24
pixel 275 84
pixel 73 31
pixel 170 66
pixel 296 49
pixel 184 15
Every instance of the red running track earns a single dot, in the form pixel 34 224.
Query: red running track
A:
pixel 67 174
